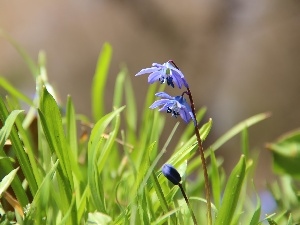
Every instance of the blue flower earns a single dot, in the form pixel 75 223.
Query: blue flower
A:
pixel 177 105
pixel 171 174
pixel 166 72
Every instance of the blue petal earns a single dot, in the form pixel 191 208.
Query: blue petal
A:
pixel 159 103
pixel 147 70
pixel 166 106
pixel 184 114
pixel 154 77
pixel 164 95
pixel 177 79
pixel 185 82
pixel 158 65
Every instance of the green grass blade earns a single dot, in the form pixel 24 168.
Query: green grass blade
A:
pixel 6 181
pixel 185 152
pixel 238 128
pixel 50 117
pixel 29 62
pixel 71 128
pixel 28 142
pixel 14 92
pixel 41 198
pixel 8 125
pixel 256 215
pixel 232 193
pixel 215 180
pixel 95 141
pixel 99 81
pixel 119 85
pixel 159 193
pixel 20 153
pixel 130 112
pixel 52 125
pixel 290 220
pixel 190 129
pixel 245 142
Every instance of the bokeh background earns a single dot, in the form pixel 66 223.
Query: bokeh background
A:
pixel 240 57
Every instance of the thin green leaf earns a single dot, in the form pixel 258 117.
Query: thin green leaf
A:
pixel 40 198
pixel 6 129
pixel 245 142
pixel 215 180
pixel 119 85
pixel 256 214
pixel 238 128
pixel 22 159
pixel 28 60
pixel 52 125
pixel 95 142
pixel 232 193
pixel 71 127
pixel 14 92
pixel 130 112
pixel 98 218
pixel 6 181
pixel 190 146
pixel 50 117
pixel 290 220
pixel 99 81
pixel 160 194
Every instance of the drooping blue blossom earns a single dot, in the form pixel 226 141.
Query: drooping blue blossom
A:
pixel 177 106
pixel 171 174
pixel 163 73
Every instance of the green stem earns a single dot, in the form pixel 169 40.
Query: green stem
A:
pixel 188 203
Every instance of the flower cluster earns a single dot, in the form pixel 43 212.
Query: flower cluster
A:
pixel 169 73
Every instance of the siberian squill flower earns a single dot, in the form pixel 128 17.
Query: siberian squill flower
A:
pixel 171 174
pixel 177 106
pixel 166 72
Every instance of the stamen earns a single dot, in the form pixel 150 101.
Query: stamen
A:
pixel 170 81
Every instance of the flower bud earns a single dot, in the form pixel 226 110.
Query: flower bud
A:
pixel 171 174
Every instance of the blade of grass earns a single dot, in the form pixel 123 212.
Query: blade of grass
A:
pixel 238 128
pixel 71 127
pixel 215 180
pixel 231 193
pixel 14 92
pixel 20 153
pixel 95 141
pixel 28 60
pixel 130 112
pixel 119 85
pixel 228 135
pixel 99 81
pixel 6 181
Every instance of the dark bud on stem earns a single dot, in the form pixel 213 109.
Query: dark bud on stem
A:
pixel 171 174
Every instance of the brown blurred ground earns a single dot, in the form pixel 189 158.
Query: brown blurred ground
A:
pixel 240 57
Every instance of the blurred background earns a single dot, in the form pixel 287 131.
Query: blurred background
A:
pixel 240 57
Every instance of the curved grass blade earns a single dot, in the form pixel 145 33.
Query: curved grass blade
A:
pixel 22 159
pixel 232 193
pixel 95 142
pixel 29 62
pixel 14 92
pixel 6 181
pixel 99 81
pixel 237 129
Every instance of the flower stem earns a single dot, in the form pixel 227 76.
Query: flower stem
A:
pixel 201 150
pixel 188 203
